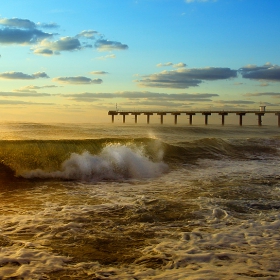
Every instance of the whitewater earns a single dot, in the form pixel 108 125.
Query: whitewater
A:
pixel 88 201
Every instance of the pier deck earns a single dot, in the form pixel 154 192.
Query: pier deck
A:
pixel 205 113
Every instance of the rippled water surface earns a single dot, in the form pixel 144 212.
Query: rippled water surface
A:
pixel 139 202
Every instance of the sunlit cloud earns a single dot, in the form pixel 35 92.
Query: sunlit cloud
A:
pixel 105 45
pixel 47 47
pixel 180 65
pixel 22 76
pixel 89 34
pixel 77 80
pixel 18 23
pixel 164 64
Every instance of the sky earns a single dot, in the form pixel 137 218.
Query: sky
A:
pixel 73 61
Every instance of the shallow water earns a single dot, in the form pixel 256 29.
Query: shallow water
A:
pixel 139 202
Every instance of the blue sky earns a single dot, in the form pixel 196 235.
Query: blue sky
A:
pixel 72 61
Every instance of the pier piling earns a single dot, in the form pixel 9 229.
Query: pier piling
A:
pixel 135 116
pixel 278 114
pixel 161 117
pixel 259 118
pixel 223 113
pixel 206 114
pixel 190 117
pixel 175 117
pixel 148 116
pixel 123 115
pixel 240 117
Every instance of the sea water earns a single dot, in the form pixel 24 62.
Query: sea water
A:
pixel 137 201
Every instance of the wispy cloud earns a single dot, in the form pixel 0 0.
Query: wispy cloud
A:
pixel 270 94
pixel 89 34
pixel 32 88
pixel 51 25
pixel 22 76
pixel 18 102
pixel 77 80
pixel 105 57
pixel 98 73
pixel 236 102
pixel 176 65
pixel 105 45
pixel 141 95
pixel 23 94
pixel 165 64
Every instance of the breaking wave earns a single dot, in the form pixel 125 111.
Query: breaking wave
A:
pixel 114 162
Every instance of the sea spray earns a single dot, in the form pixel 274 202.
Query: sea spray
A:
pixel 113 163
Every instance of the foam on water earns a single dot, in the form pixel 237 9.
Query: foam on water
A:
pixel 208 219
pixel 113 163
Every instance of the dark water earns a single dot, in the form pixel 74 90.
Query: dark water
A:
pixel 139 202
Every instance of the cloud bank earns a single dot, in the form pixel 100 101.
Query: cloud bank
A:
pixel 26 32
pixel 185 78
pixel 21 31
pixel 267 72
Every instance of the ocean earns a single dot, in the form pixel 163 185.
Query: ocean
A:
pixel 138 201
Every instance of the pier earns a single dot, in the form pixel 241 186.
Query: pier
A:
pixel 259 113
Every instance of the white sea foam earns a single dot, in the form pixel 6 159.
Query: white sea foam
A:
pixel 114 162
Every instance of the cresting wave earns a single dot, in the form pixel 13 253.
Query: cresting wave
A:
pixel 113 163
pixel 114 159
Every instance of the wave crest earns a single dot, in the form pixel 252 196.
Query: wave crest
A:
pixel 114 162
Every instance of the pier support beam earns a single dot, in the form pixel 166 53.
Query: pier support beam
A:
pixel 161 117
pixel 206 114
pixel 175 117
pixel 278 114
pixel 223 117
pixel 240 117
pixel 135 116
pixel 113 114
pixel 259 118
pixel 148 116
pixel 123 116
pixel 190 117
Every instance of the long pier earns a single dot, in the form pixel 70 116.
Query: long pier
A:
pixel 205 113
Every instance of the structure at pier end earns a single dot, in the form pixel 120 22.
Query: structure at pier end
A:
pixel 241 113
